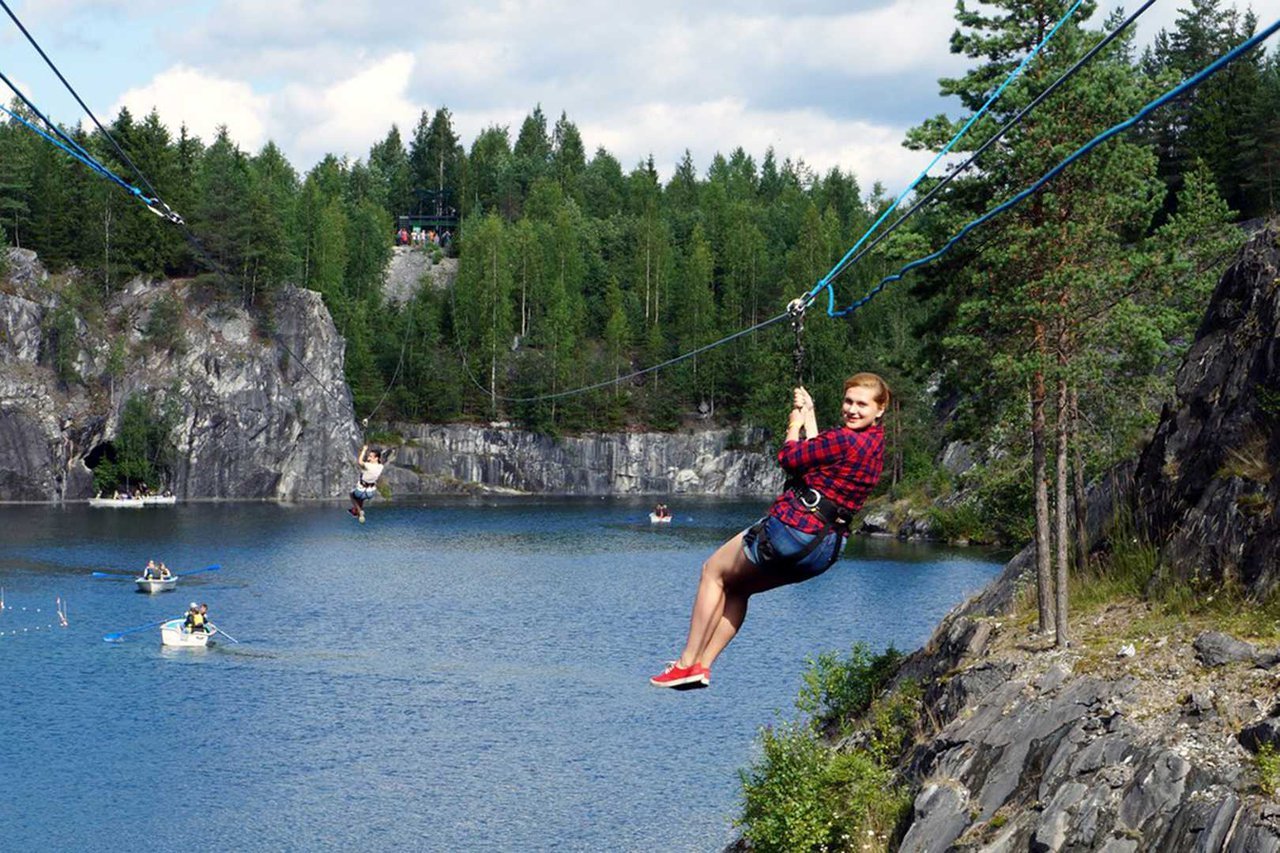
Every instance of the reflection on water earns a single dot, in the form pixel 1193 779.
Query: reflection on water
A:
pixel 452 675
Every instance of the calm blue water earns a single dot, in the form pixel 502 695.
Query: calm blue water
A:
pixel 449 676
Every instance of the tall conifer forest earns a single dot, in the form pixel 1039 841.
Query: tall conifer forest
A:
pixel 1051 334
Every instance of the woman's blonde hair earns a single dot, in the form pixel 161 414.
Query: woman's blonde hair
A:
pixel 871 380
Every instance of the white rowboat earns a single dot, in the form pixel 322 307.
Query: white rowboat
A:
pixel 654 518
pixel 133 503
pixel 172 633
pixel 156 584
pixel 159 500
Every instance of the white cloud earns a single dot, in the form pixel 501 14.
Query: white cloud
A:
pixel 871 152
pixel 834 83
pixel 347 116
pixel 202 102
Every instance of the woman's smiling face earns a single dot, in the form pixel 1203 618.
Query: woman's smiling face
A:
pixel 859 409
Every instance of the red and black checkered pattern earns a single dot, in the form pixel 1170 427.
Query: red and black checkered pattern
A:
pixel 841 463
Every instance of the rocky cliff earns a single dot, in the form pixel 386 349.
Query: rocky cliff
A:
pixel 251 422
pixel 1208 482
pixel 437 458
pixel 1145 734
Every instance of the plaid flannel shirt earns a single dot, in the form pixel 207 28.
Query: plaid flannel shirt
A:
pixel 843 464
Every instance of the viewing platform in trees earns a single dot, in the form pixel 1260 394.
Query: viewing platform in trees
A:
pixel 433 209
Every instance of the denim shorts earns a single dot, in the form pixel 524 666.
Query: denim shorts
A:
pixel 780 547
pixel 360 493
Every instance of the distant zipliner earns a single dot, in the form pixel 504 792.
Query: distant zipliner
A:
pixel 829 476
pixel 370 463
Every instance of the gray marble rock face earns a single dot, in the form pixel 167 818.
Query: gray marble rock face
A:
pixel 698 463
pixel 1207 484
pixel 270 416
pixel 251 422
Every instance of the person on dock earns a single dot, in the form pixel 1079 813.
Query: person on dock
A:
pixel 829 476
pixel 370 464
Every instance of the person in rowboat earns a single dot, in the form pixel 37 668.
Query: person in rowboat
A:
pixel 370 464
pixel 164 574
pixel 151 571
pixel 197 619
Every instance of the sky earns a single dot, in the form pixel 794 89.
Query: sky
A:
pixel 831 82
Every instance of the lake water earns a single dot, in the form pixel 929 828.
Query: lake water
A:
pixel 452 675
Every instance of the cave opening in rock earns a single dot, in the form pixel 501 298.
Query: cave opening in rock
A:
pixel 106 451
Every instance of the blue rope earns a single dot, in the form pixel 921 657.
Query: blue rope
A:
pixel 77 154
pixel 991 140
pixel 825 281
pixel 1177 91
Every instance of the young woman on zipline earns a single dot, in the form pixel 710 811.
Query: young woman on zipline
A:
pixel 829 476
pixel 370 464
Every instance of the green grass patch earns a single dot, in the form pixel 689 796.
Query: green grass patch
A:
pixel 1131 573
pixel 964 521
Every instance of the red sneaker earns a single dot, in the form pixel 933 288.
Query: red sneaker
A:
pixel 682 676
pixel 353 511
pixel 701 676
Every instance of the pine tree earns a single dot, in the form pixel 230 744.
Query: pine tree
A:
pixel 15 180
pixel 392 162
pixel 568 157
pixel 483 315
pixel 489 175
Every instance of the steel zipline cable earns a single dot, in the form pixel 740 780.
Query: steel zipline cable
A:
pixel 164 209
pixel 1151 106
pixel 154 202
pixel 796 308
pixel 1172 94
pixel 849 261
pixel 825 281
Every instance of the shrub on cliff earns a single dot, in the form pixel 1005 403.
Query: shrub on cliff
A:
pixel 803 794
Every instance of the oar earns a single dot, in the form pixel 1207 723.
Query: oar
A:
pixel 212 568
pixel 224 633
pixel 116 635
pixel 113 575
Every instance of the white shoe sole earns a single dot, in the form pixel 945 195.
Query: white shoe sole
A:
pixel 687 681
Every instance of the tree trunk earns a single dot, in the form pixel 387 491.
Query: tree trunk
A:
pixel 1081 504
pixel 1061 640
pixel 1044 576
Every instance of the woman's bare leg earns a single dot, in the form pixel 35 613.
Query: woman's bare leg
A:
pixel 728 580
pixel 708 605
pixel 731 619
